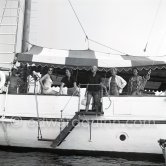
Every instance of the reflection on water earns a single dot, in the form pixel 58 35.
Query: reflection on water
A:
pixel 51 159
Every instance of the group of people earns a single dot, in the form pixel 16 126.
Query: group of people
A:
pixel 115 84
pixel 136 83
pixel 114 87
pixel 68 80
pixel 94 87
pixel 13 84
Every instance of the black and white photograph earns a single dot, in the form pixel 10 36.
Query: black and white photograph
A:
pixel 82 82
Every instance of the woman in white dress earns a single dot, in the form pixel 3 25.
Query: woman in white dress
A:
pixel 46 83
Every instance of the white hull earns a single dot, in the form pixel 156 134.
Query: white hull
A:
pixel 127 116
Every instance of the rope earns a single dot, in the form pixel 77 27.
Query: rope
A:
pixel 79 22
pixel 64 109
pixel 107 46
pixel 68 101
pixel 3 116
pixel 6 95
pixel 153 23
pixel 86 36
pixel 109 100
pixel 37 110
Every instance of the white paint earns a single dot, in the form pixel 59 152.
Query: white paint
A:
pixel 105 136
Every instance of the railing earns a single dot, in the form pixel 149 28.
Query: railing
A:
pixel 100 86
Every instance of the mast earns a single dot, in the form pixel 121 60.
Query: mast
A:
pixel 26 27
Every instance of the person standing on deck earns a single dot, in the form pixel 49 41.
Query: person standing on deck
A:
pixel 94 91
pixel 137 83
pixel 14 82
pixel 115 83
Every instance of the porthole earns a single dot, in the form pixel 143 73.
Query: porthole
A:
pixel 122 137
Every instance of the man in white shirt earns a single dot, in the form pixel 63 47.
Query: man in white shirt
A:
pixel 116 83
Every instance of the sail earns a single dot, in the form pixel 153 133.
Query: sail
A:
pixel 84 59
pixel 11 23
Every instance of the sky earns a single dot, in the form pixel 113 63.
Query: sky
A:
pixel 124 25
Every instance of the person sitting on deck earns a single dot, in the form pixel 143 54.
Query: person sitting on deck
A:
pixel 94 90
pixel 46 82
pixel 14 82
pixel 70 82
pixel 137 83
pixel 115 83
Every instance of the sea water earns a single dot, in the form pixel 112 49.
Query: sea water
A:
pixel 11 158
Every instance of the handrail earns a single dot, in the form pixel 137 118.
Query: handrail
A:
pixel 101 90
pixel 64 109
pixel 86 92
pixel 6 95
pixel 38 118
pixel 90 84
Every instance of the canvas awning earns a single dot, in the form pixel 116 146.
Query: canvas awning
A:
pixel 84 59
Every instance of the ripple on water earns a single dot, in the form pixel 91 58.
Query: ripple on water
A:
pixel 52 159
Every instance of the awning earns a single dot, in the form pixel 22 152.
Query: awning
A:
pixel 84 59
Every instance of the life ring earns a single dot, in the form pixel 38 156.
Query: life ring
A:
pixel 2 79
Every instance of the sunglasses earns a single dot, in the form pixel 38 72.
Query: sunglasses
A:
pixel 50 70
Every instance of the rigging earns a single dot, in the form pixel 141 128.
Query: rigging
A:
pixel 153 23
pixel 86 36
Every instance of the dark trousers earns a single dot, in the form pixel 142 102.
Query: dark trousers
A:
pixel 96 99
